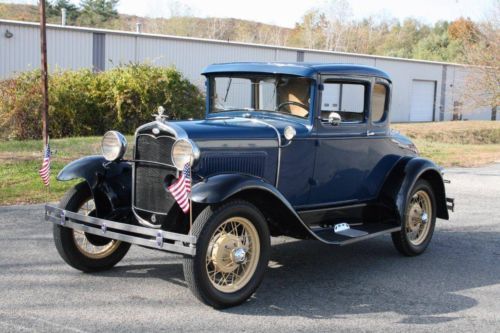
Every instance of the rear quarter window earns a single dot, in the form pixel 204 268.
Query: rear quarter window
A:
pixel 379 103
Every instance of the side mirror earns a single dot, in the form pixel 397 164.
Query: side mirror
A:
pixel 334 119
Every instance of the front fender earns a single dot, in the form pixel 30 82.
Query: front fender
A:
pixel 88 168
pixel 279 212
pixel 218 188
pixel 408 170
pixel 107 180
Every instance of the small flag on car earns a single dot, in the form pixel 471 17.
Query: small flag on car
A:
pixel 181 188
pixel 45 169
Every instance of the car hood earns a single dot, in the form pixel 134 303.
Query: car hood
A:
pixel 238 128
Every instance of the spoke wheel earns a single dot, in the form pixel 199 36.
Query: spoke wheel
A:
pixel 418 222
pixel 233 254
pixel 85 252
pixel 89 245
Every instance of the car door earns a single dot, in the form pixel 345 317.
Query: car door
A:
pixel 342 161
pixel 382 152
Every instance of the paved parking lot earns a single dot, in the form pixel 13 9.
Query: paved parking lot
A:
pixel 454 286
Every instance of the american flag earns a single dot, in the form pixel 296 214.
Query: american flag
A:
pixel 45 169
pixel 181 188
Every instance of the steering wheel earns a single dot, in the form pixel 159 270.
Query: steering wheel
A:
pixel 305 107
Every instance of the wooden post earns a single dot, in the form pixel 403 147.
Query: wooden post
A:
pixel 45 88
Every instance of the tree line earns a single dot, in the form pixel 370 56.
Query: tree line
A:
pixel 330 27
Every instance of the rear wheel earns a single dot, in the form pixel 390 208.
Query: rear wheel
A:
pixel 232 252
pixel 80 250
pixel 419 221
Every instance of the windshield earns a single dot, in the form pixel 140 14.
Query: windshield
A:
pixel 281 94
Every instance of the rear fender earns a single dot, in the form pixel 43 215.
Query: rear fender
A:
pixel 110 182
pixel 398 185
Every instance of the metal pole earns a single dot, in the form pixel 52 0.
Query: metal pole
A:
pixel 190 214
pixel 44 86
pixel 63 16
pixel 190 196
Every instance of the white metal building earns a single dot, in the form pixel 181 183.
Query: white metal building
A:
pixel 422 90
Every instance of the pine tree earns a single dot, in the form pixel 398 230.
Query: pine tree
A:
pixel 97 12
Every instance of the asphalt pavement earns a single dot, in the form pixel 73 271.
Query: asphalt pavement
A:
pixel 309 287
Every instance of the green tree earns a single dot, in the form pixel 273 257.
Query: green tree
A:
pixel 55 7
pixel 438 45
pixel 309 31
pixel 98 12
pixel 402 38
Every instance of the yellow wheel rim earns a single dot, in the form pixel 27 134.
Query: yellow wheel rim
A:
pixel 233 254
pixel 85 246
pixel 418 218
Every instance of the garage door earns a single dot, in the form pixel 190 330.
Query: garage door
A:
pixel 422 100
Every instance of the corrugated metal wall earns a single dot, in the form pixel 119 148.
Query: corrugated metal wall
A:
pixel 65 49
pixel 73 48
pixel 456 79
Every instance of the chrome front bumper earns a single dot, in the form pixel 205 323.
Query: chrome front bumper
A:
pixel 152 238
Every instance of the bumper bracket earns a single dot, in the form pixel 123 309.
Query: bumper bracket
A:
pixel 450 204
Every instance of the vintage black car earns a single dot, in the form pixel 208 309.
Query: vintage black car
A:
pixel 295 149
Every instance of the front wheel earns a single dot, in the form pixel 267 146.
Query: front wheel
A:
pixel 232 252
pixel 80 250
pixel 419 221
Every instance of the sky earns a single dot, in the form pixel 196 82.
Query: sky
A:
pixel 286 13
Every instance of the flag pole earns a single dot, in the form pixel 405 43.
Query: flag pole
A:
pixel 44 86
pixel 44 83
pixel 190 213
pixel 190 201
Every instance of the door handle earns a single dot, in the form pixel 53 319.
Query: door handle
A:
pixel 370 133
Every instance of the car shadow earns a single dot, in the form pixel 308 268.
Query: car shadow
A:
pixel 314 280
pixel 169 270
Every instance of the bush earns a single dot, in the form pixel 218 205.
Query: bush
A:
pixel 85 103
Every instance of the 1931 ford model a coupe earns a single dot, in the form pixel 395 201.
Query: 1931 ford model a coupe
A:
pixel 302 150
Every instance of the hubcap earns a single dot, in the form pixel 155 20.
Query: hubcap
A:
pixel 233 254
pixel 238 255
pixel 417 217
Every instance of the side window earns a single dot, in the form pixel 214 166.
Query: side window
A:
pixel 346 99
pixel 379 101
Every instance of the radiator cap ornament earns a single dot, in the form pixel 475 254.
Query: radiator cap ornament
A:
pixel 160 116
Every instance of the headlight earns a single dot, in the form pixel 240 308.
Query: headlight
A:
pixel 113 145
pixel 184 151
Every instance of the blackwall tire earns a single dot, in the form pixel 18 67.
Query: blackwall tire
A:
pixel 66 239
pixel 421 206
pixel 232 254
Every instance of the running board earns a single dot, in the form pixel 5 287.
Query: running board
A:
pixel 342 234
